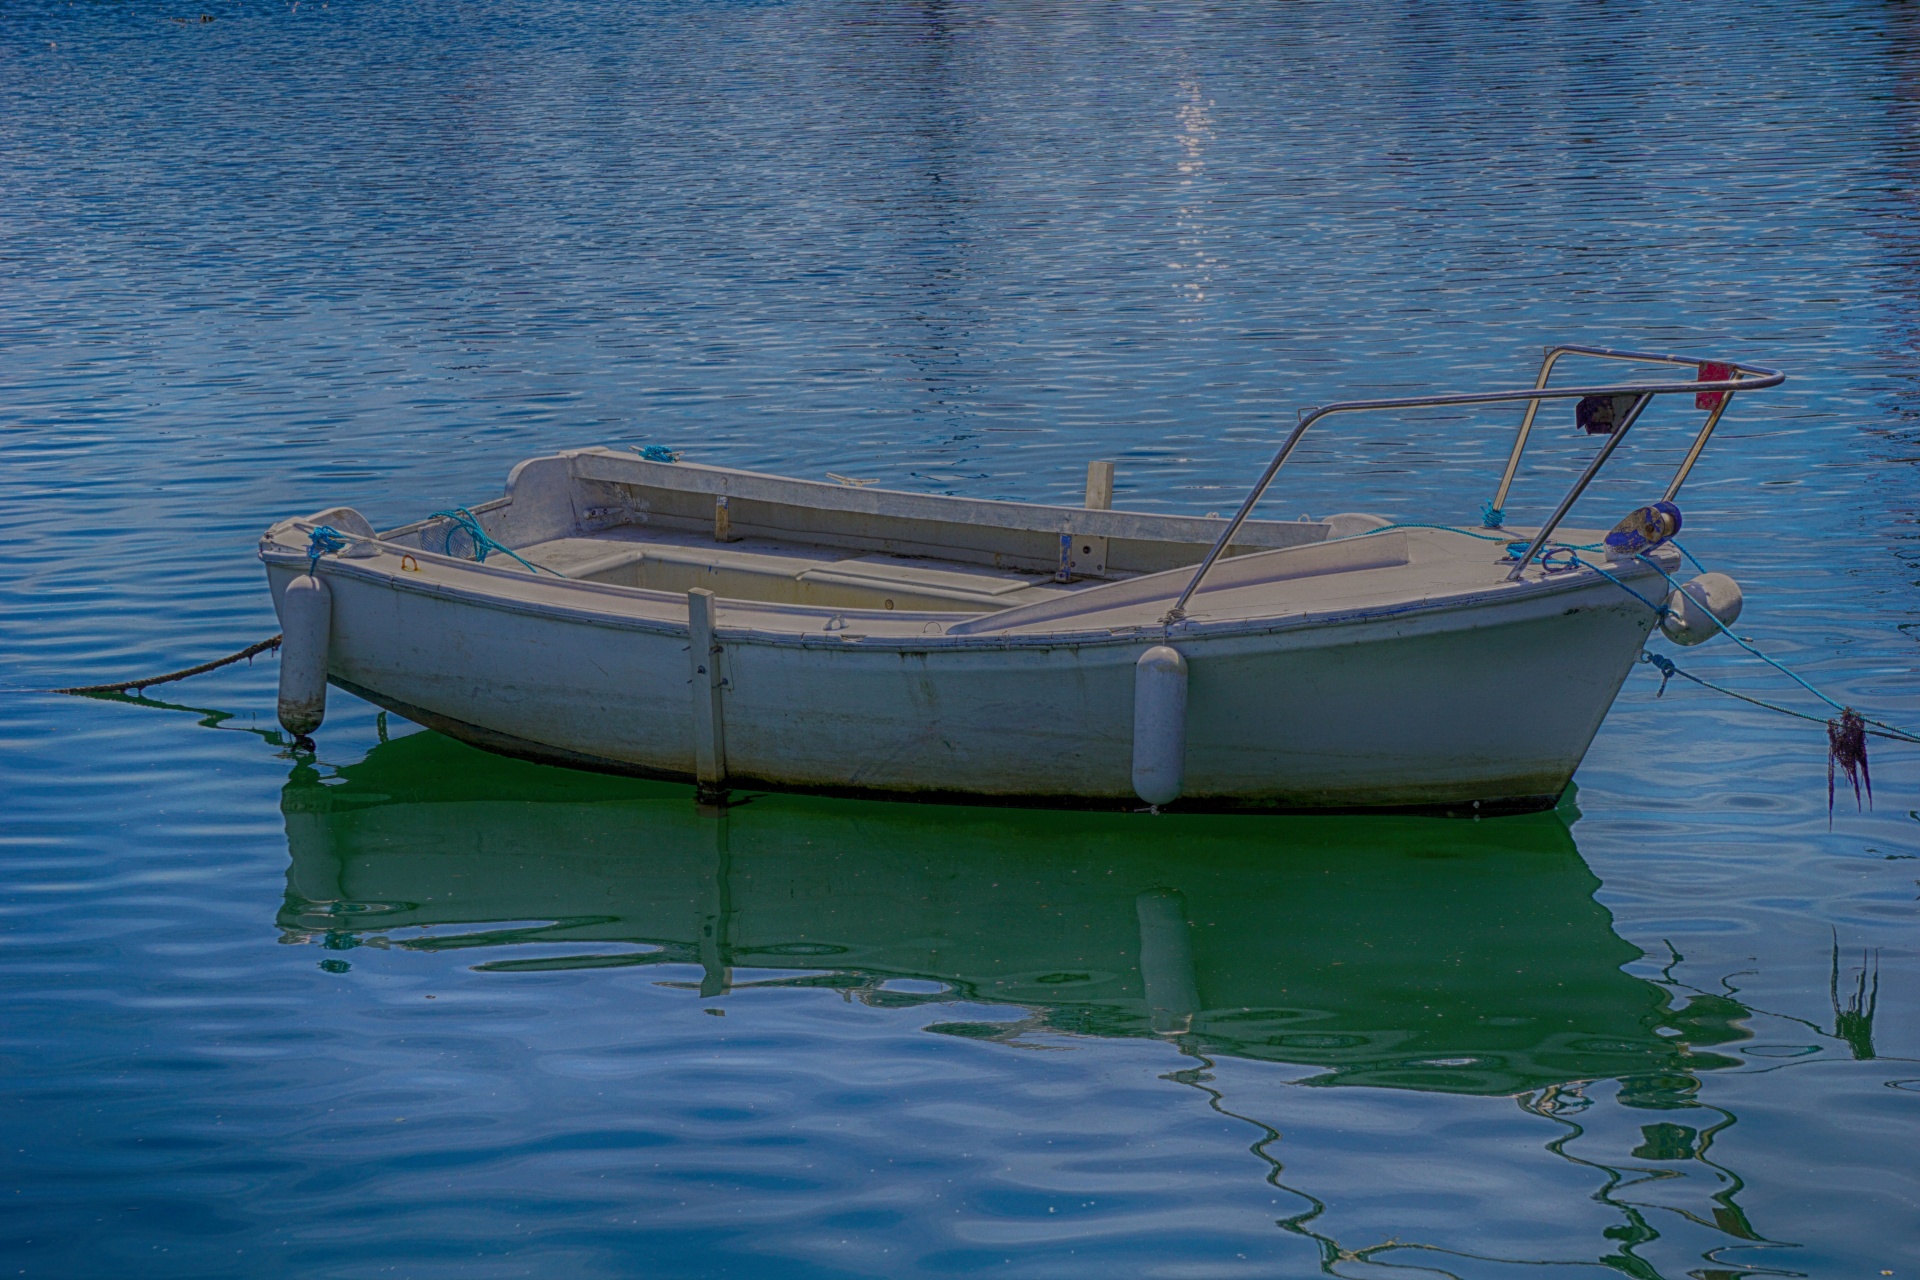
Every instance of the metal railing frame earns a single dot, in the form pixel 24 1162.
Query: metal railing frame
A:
pixel 1744 378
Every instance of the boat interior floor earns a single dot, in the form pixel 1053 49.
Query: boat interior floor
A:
pixel 1392 566
pixel 780 572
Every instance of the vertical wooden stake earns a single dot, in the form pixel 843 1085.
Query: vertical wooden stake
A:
pixel 1099 486
pixel 709 725
pixel 722 521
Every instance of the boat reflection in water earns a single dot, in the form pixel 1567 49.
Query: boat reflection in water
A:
pixel 1415 953
pixel 1448 956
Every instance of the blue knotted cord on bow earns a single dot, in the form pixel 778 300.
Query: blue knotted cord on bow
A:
pixel 325 540
pixel 1513 548
pixel 656 452
pixel 465 521
pixel 1667 670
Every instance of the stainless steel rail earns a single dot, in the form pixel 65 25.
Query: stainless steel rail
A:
pixel 1744 378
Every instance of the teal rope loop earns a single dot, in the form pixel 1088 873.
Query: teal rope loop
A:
pixel 1728 634
pixel 1491 517
pixel 325 540
pixel 656 452
pixel 1668 670
pixel 483 543
pixel 1664 665
pixel 1514 549
pixel 1659 610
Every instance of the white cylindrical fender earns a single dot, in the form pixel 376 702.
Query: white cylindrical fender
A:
pixel 306 620
pixel 1692 609
pixel 1159 725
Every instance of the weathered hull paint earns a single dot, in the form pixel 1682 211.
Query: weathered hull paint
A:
pixel 1486 706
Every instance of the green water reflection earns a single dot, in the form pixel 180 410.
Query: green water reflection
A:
pixel 1429 954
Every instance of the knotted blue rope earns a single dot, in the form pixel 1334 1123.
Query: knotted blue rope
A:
pixel 1491 517
pixel 656 452
pixel 325 540
pixel 483 543
pixel 1666 668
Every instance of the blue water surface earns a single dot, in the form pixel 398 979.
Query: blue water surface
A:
pixel 405 1009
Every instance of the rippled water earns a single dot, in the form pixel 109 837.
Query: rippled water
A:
pixel 412 1010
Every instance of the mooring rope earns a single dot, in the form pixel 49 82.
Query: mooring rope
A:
pixel 1668 670
pixel 122 686
pixel 1666 667
pixel 1728 633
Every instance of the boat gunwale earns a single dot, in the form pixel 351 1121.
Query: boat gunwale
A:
pixel 995 513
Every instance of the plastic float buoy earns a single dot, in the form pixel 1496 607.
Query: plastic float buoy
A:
pixel 1159 725
pixel 1692 609
pixel 306 619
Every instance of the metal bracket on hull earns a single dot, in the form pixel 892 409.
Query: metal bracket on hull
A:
pixel 1082 555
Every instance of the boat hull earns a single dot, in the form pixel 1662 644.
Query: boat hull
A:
pixel 1485 706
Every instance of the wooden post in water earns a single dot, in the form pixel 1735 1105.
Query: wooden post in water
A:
pixel 1099 486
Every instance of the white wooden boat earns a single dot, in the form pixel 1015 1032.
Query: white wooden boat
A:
pixel 669 619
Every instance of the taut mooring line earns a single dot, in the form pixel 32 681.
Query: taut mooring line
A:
pixel 124 685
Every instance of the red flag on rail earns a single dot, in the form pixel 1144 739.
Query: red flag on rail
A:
pixel 1710 372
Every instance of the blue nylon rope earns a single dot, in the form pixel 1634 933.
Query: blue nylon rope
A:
pixel 1724 630
pixel 483 543
pixel 1668 670
pixel 1659 610
pixel 1663 664
pixel 1513 548
pixel 325 540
